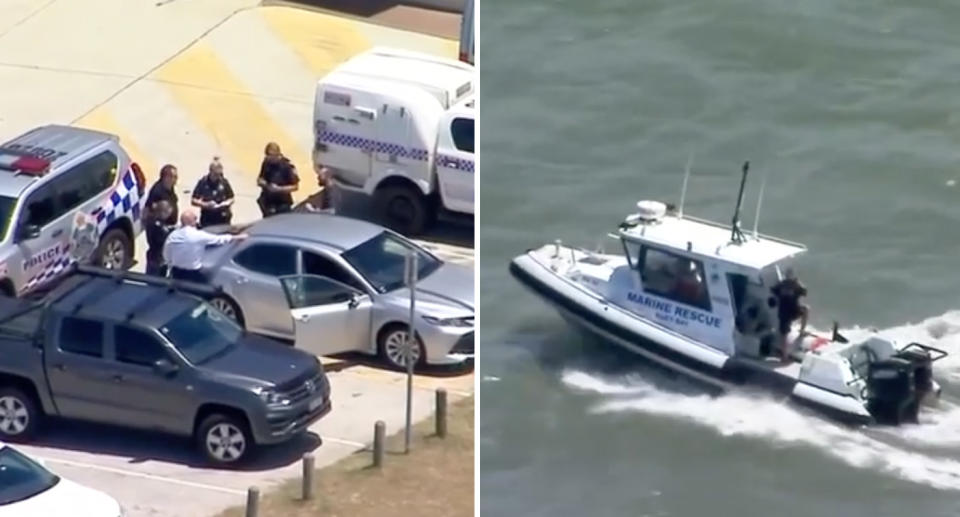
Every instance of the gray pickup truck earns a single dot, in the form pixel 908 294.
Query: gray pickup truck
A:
pixel 137 351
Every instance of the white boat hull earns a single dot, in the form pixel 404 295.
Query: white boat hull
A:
pixel 589 311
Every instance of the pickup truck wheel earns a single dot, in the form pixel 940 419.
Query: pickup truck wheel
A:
pixel 115 251
pixel 403 209
pixel 19 416
pixel 225 439
pixel 392 346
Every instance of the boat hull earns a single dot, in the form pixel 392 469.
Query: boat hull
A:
pixel 714 369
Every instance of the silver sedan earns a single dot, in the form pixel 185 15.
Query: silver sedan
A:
pixel 333 284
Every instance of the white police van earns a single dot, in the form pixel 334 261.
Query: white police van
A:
pixel 398 126
pixel 67 195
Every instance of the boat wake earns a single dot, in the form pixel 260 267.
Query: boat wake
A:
pixel 924 453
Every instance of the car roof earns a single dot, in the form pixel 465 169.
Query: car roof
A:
pixel 102 298
pixel 334 231
pixel 68 140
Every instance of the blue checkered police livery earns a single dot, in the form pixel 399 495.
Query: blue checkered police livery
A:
pixel 358 142
pixel 124 201
pixel 51 270
pixel 99 223
pixel 455 163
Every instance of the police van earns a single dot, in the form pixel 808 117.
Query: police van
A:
pixel 399 126
pixel 66 195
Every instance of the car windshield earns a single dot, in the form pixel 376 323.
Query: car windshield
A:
pixel 7 205
pixel 381 260
pixel 22 478
pixel 202 333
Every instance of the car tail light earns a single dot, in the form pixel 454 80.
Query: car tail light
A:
pixel 141 179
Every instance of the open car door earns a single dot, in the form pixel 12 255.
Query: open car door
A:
pixel 328 317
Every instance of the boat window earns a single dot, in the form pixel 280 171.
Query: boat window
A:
pixel 632 251
pixel 675 277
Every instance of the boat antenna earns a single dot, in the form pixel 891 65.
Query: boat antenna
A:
pixel 683 190
pixel 736 235
pixel 756 218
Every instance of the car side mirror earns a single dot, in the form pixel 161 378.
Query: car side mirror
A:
pixel 28 232
pixel 164 367
pixel 354 301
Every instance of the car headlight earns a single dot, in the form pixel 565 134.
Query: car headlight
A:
pixel 270 397
pixel 450 322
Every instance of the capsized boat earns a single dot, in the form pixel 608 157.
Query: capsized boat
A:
pixel 699 298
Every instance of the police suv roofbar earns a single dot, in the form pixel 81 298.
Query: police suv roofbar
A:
pixel 22 163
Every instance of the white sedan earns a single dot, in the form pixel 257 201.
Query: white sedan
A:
pixel 27 489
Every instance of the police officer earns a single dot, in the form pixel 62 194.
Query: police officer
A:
pixel 214 196
pixel 278 179
pixel 165 190
pixel 157 231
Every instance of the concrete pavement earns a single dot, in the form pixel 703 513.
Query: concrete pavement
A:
pixel 181 81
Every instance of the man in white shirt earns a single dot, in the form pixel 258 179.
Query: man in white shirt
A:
pixel 183 250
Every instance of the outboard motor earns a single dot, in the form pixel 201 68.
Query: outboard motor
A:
pixel 922 364
pixel 892 391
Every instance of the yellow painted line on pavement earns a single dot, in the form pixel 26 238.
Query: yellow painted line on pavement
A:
pixel 101 119
pixel 321 40
pixel 224 107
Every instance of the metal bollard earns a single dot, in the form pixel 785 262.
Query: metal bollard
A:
pixel 307 476
pixel 253 501
pixel 441 412
pixel 379 432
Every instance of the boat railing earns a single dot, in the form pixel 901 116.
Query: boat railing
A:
pixel 726 227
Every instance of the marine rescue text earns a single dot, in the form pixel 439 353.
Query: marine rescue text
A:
pixel 674 313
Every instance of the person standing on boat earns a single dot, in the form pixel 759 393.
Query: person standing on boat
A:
pixel 789 292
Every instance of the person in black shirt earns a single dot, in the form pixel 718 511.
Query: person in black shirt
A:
pixel 157 230
pixel 278 178
pixel 789 292
pixel 165 190
pixel 322 201
pixel 214 196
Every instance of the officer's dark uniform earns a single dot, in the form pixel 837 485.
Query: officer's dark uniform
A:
pixel 157 232
pixel 218 191
pixel 159 192
pixel 279 173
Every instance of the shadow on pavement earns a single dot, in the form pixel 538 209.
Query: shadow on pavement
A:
pixel 350 359
pixel 143 446
pixel 443 232
pixel 364 8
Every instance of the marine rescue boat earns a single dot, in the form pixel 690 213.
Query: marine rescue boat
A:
pixel 696 296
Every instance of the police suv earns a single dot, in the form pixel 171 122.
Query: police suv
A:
pixel 67 195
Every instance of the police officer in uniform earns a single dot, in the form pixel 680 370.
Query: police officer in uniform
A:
pixel 278 179
pixel 157 230
pixel 213 196
pixel 165 190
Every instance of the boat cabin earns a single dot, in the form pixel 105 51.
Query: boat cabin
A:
pixel 706 281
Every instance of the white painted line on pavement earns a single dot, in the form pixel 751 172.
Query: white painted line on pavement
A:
pixel 144 476
pixel 344 442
